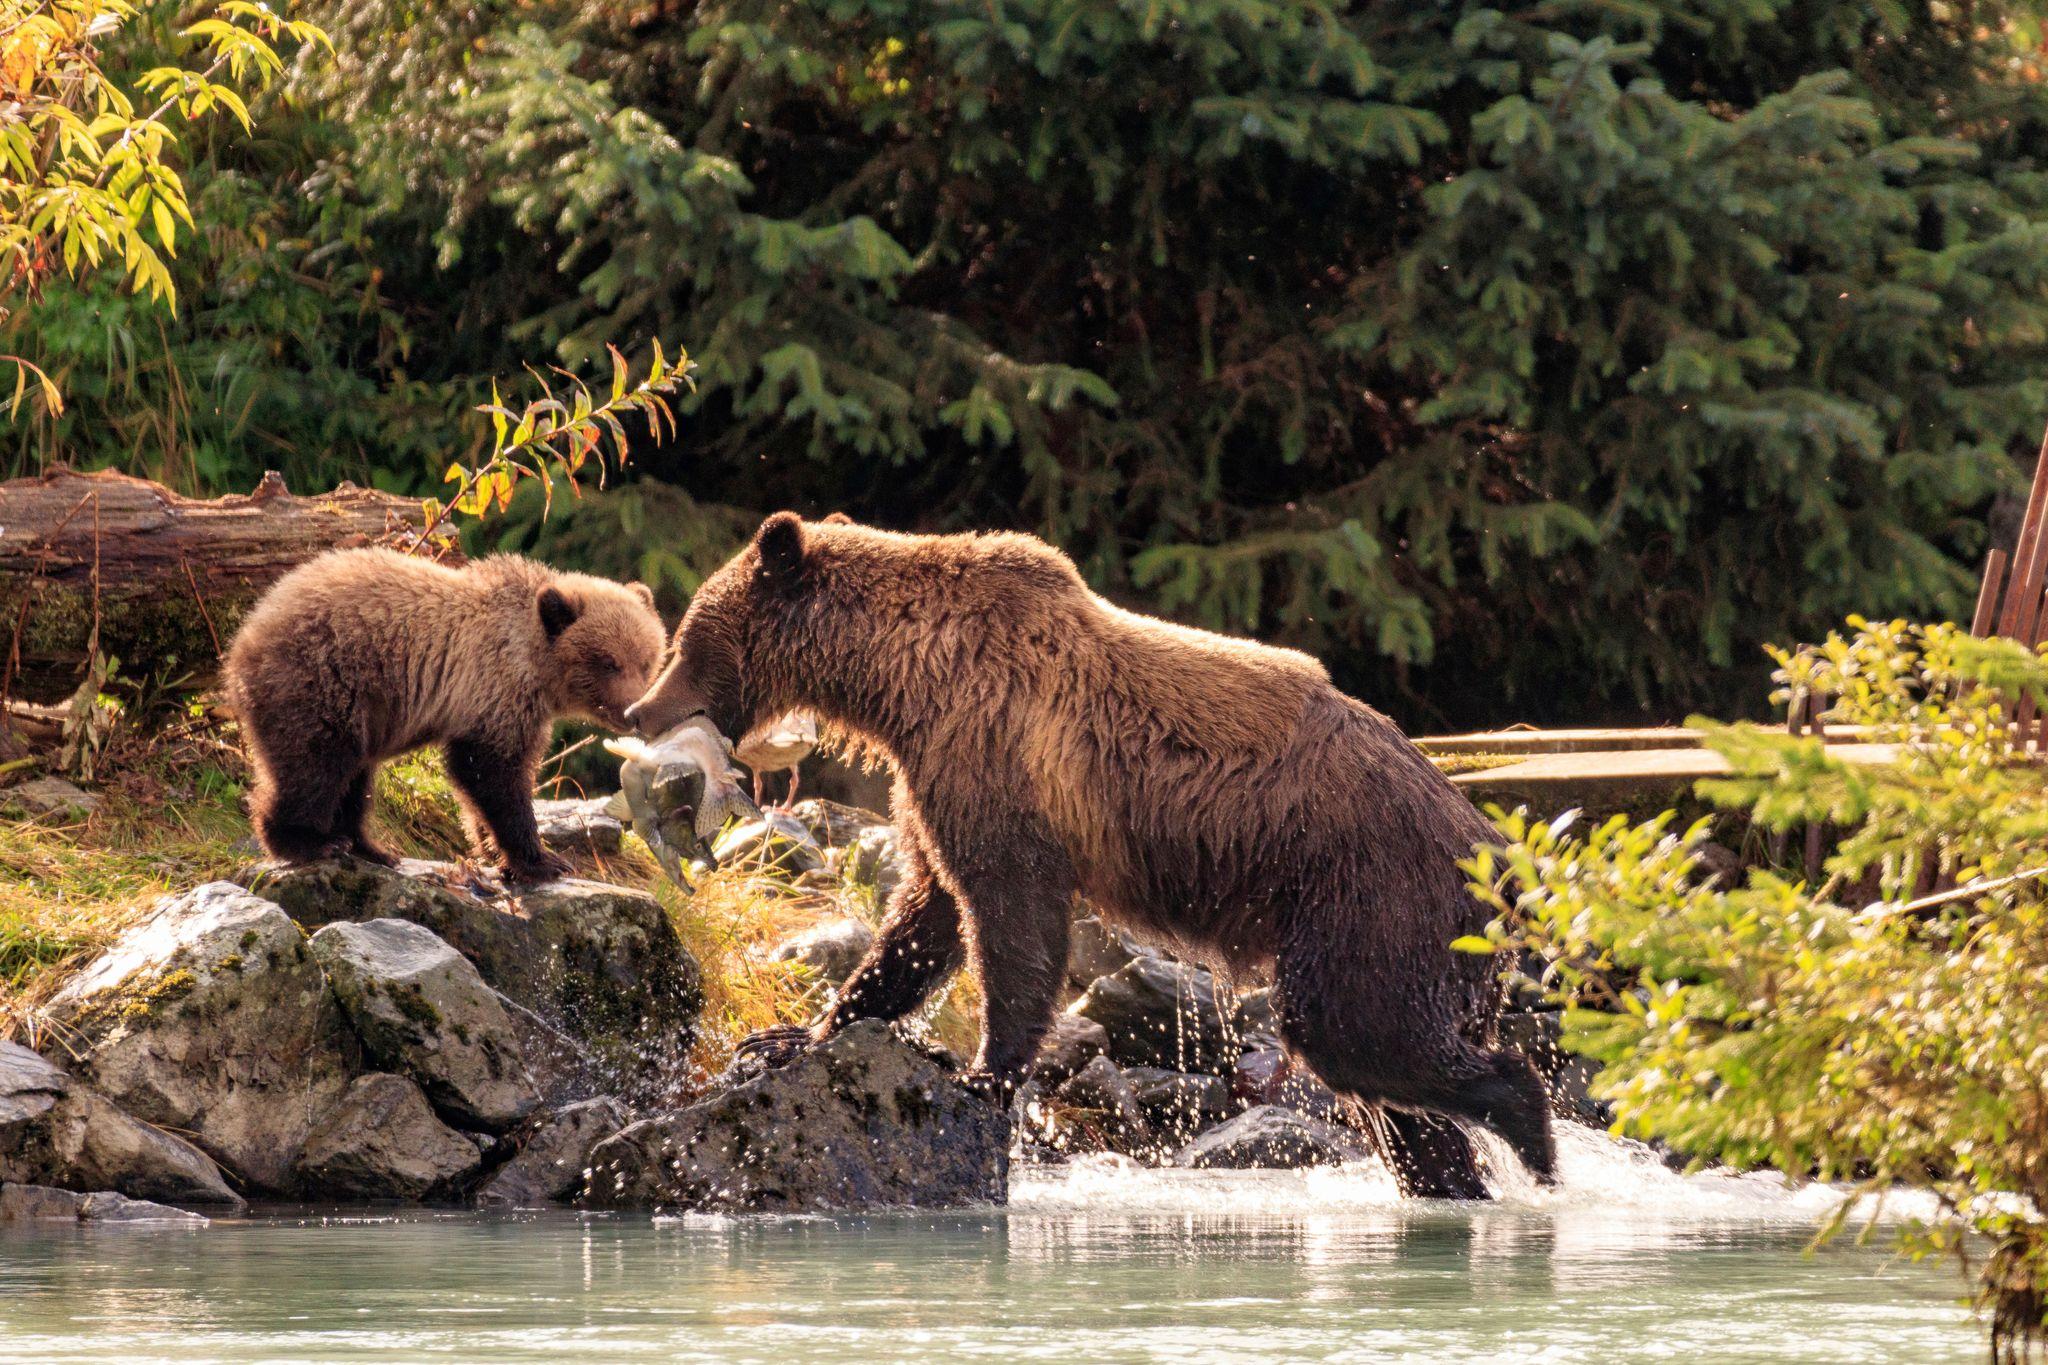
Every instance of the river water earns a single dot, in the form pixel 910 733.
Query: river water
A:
pixel 1095 1261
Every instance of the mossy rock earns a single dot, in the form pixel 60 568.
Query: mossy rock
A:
pixel 603 964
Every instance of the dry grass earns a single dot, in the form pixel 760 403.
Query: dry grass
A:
pixel 170 817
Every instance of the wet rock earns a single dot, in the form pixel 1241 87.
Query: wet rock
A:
pixel 1269 1136
pixel 421 1010
pixel 55 1130
pixel 863 1120
pixel 42 1204
pixel 873 859
pixel 1070 1044
pixel 601 963
pixel 1177 1104
pixel 47 798
pixel 553 1154
pixel 579 826
pixel 1257 1022
pixel 774 840
pixel 1258 1071
pixel 1095 950
pixel 1264 1075
pixel 1095 1109
pixel 1162 1013
pixel 211 1017
pixel 832 949
pixel 382 1141
pixel 832 825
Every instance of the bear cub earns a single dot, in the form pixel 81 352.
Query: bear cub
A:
pixel 362 655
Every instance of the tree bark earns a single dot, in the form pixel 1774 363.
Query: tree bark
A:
pixel 156 580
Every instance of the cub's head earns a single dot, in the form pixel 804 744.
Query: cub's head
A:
pixel 714 670
pixel 604 645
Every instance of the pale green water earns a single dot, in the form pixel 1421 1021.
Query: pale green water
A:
pixel 1098 1262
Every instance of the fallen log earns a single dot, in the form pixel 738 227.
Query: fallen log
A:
pixel 157 580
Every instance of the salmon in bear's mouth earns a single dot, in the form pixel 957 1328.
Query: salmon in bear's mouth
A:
pixel 680 792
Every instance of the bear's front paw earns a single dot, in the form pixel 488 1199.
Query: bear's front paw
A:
pixel 769 1048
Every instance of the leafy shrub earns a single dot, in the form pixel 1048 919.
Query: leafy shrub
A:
pixel 1866 1029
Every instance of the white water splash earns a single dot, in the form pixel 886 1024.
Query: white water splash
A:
pixel 1601 1177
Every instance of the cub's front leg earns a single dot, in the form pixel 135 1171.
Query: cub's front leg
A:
pixel 495 784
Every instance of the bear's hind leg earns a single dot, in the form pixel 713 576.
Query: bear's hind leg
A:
pixel 1430 1157
pixel 296 801
pixel 1502 1091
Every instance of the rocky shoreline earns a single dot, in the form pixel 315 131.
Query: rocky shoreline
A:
pixel 348 1032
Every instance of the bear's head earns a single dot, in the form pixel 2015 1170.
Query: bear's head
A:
pixel 604 643
pixel 715 668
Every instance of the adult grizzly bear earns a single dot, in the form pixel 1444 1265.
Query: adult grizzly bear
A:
pixel 1212 793
pixel 362 655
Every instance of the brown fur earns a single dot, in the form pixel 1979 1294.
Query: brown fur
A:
pixel 362 655
pixel 1213 793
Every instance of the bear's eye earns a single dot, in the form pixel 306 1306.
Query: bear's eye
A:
pixel 607 664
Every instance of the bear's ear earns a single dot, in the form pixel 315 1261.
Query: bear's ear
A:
pixel 838 519
pixel 643 592
pixel 557 610
pixel 780 543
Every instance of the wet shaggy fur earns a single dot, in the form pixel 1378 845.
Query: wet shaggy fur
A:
pixel 362 655
pixel 1215 794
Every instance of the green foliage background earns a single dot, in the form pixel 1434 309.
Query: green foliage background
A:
pixel 1530 363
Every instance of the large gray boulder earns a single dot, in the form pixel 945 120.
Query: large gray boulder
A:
pixel 47 798
pixel 601 963
pixel 1069 1044
pixel 831 949
pixel 57 1131
pixel 1095 1109
pixel 583 824
pixel 1094 949
pixel 42 1204
pixel 382 1141
pixel 833 825
pixel 863 1120
pixel 774 840
pixel 874 858
pixel 553 1154
pixel 1178 1104
pixel 212 1018
pixel 1163 1013
pixel 1271 1136
pixel 421 1010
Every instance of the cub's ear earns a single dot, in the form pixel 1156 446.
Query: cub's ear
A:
pixel 838 519
pixel 780 543
pixel 643 592
pixel 557 610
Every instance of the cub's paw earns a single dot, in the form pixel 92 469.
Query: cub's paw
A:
pixel 532 872
pixel 770 1048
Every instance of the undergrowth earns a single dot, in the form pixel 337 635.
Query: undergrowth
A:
pixel 170 817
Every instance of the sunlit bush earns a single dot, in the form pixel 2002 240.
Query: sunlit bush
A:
pixel 1887 1027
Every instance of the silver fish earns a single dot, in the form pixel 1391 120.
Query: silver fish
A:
pixel 679 792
